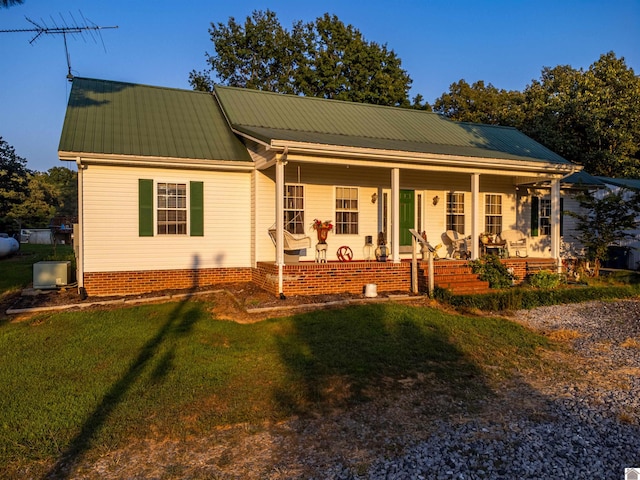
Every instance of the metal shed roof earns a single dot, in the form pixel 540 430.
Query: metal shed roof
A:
pixel 118 118
pixel 271 117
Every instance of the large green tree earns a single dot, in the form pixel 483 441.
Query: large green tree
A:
pixel 325 58
pixel 480 103
pixel 32 199
pixel 9 3
pixel 13 178
pixel 258 54
pixel 64 184
pixel 590 117
pixel 38 206
pixel 342 65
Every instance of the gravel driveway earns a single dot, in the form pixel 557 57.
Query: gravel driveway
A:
pixel 586 430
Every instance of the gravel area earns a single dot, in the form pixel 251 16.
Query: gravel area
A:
pixel 587 430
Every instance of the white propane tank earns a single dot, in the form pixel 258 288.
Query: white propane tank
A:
pixel 8 246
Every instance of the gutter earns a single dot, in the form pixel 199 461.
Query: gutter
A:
pixel 157 162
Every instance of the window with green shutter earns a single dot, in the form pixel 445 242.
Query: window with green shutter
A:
pixel 170 208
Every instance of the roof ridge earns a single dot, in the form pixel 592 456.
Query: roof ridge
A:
pixel 333 100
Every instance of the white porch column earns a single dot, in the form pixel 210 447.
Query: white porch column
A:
pixel 279 220
pixel 475 215
pixel 555 220
pixel 395 215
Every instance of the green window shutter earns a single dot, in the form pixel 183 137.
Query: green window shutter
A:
pixel 145 207
pixel 535 211
pixel 196 206
pixel 561 216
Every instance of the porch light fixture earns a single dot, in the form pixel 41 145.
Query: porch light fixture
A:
pixel 374 198
pixel 436 199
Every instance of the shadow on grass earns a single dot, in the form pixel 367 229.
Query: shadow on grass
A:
pixel 178 324
pixel 338 355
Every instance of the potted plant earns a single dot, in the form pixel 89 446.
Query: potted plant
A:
pixel 322 229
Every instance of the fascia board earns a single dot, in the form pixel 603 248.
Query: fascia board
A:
pixel 159 162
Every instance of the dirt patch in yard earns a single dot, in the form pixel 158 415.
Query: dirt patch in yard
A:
pixel 241 302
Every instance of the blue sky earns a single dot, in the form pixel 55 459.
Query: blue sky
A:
pixel 506 43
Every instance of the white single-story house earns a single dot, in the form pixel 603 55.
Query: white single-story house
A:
pixel 182 189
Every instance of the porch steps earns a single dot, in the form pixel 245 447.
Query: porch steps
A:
pixel 460 285
pixel 457 277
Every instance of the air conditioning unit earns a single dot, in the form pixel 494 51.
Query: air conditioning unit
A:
pixel 51 274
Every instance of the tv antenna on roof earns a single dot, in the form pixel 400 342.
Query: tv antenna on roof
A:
pixel 64 28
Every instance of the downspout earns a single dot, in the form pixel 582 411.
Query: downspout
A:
pixel 280 164
pixel 78 241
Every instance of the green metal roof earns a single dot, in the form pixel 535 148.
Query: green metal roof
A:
pixel 583 179
pixel 107 117
pixel 632 183
pixel 270 117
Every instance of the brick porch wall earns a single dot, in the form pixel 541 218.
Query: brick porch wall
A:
pixel 334 277
pixel 519 266
pixel 138 282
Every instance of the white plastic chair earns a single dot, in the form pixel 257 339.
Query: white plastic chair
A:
pixel 517 243
pixel 458 242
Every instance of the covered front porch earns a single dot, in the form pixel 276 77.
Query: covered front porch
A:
pixel 310 278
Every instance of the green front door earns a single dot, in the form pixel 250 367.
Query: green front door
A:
pixel 407 216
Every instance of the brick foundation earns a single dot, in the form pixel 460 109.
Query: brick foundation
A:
pixel 138 282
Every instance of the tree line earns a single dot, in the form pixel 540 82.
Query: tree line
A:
pixel 31 199
pixel 590 117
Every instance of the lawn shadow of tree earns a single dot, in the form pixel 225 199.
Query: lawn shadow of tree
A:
pixel 179 323
pixel 357 348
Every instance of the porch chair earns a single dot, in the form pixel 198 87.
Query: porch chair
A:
pixel 293 244
pixel 517 243
pixel 458 243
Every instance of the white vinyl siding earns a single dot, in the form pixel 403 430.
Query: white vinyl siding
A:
pixel 110 219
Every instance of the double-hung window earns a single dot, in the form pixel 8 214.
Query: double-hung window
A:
pixel 493 213
pixel 545 216
pixel 172 209
pixel 294 208
pixel 346 210
pixel 455 212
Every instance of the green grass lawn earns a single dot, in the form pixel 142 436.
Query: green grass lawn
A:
pixel 76 382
